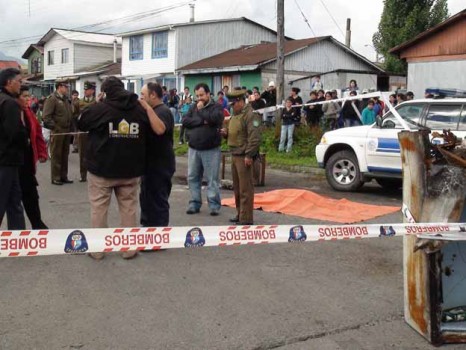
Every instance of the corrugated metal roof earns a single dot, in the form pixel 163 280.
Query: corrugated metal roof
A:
pixel 74 35
pixel 9 64
pixel 183 24
pixel 251 55
pixel 31 48
pixel 425 35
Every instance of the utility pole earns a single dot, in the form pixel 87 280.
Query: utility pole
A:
pixel 280 50
pixel 280 62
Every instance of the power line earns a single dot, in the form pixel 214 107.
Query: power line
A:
pixel 117 21
pixel 333 18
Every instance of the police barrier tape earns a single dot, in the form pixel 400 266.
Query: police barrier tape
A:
pixel 79 241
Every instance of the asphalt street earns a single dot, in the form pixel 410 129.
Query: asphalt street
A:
pixel 323 295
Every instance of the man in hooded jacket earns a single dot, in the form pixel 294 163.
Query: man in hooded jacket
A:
pixel 116 153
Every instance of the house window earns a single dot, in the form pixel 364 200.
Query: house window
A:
pixel 51 58
pixel 136 47
pixel 65 55
pixel 160 44
pixel 36 65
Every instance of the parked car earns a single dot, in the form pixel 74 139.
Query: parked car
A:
pixel 353 156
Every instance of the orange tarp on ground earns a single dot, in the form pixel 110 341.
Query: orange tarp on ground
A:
pixel 310 205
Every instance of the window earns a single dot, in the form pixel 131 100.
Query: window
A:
pixel 442 117
pixel 410 113
pixel 160 44
pixel 65 55
pixel 136 47
pixel 51 58
pixel 36 67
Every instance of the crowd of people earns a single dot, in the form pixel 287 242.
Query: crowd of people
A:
pixel 125 143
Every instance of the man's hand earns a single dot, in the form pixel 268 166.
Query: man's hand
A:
pixel 145 105
pixel 224 132
pixel 100 96
pixel 247 162
pixel 200 105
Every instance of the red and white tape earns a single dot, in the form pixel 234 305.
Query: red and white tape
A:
pixel 90 240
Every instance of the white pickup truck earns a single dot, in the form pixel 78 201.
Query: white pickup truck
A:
pixel 353 156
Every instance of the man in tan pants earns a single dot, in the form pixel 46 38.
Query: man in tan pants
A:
pixel 116 157
pixel 244 140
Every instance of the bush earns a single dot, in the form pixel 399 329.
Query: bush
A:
pixel 305 140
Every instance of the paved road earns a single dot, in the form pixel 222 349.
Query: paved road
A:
pixel 326 295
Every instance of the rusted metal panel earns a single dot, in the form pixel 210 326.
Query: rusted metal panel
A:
pixel 434 191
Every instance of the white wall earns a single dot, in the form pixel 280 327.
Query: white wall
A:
pixel 57 43
pixel 449 74
pixel 86 56
pixel 148 65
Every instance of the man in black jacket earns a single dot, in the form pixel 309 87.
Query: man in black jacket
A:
pixel 203 123
pixel 13 138
pixel 156 184
pixel 116 153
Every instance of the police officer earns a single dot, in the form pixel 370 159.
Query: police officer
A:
pixel 57 117
pixel 89 99
pixel 74 121
pixel 243 135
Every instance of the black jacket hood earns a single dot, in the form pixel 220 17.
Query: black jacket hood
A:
pixel 122 99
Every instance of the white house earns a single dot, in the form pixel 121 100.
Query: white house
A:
pixel 156 53
pixel 69 53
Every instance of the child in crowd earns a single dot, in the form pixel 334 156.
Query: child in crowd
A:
pixel 289 116
pixel 187 103
pixel 368 114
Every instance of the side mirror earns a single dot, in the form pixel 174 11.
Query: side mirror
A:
pixel 378 121
pixel 389 124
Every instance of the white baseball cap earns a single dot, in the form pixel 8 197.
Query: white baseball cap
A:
pixel 271 84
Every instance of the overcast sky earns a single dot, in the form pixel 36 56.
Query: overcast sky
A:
pixel 18 22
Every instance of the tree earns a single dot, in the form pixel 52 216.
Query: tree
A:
pixel 402 20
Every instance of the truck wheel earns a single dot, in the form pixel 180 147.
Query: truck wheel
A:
pixel 342 172
pixel 390 184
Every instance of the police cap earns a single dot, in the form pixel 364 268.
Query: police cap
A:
pixel 236 95
pixel 89 85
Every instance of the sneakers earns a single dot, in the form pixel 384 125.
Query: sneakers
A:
pixel 191 211
pixel 125 255
pixel 234 219
pixel 97 256
pixel 57 182
pixel 67 181
pixel 129 254
pixel 214 212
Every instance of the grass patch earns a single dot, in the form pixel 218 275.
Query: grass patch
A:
pixel 303 153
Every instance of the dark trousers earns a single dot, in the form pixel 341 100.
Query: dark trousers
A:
pixel 60 151
pixel 155 191
pixel 10 198
pixel 243 187
pixel 82 142
pixel 30 198
pixel 182 134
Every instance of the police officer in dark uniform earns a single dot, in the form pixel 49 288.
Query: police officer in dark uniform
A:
pixel 89 99
pixel 243 135
pixel 57 117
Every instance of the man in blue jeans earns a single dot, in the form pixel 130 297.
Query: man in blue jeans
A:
pixel 203 123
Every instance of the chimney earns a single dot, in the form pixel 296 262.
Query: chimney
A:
pixel 115 48
pixel 348 33
pixel 191 18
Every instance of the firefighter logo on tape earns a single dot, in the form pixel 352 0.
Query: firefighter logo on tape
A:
pixel 297 234
pixel 194 238
pixel 76 242
pixel 387 231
